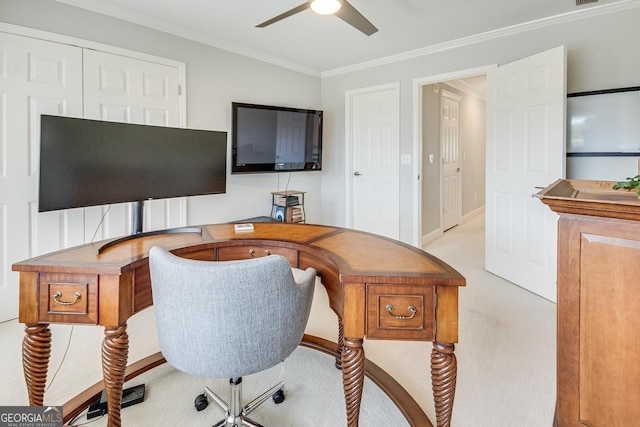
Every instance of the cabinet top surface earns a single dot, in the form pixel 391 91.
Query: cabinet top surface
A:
pixel 593 198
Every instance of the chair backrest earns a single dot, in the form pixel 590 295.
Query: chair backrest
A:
pixel 228 319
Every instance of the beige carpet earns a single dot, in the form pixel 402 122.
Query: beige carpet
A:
pixel 313 389
pixel 506 354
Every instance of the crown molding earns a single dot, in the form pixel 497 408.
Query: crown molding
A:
pixel 489 35
pixel 179 31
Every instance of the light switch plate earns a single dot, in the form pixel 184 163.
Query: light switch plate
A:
pixel 405 159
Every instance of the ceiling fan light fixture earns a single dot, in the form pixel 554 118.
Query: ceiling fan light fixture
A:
pixel 325 7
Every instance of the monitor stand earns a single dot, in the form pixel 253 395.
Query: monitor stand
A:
pixel 136 228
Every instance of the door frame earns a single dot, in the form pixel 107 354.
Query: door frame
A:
pixel 348 139
pixel 418 84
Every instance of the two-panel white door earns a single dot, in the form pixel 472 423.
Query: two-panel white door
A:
pixel 525 150
pixel 374 137
pixel 36 77
pixel 40 77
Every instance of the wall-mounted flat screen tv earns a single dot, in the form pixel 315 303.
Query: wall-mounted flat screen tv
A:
pixel 267 138
pixel 91 162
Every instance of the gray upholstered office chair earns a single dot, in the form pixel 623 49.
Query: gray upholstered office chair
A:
pixel 229 319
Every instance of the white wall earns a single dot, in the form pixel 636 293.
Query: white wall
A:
pixel 473 146
pixel 430 171
pixel 602 53
pixel 215 78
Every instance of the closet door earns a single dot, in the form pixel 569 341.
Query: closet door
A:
pixel 36 77
pixel 123 89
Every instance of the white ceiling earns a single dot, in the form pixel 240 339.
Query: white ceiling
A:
pixel 315 44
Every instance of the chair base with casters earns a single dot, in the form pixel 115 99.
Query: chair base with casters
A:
pixel 236 415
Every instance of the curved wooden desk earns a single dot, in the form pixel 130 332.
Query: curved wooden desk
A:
pixel 378 287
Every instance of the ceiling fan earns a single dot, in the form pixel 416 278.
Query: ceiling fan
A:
pixel 340 8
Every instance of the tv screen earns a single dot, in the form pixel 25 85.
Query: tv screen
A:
pixel 90 162
pixel 274 139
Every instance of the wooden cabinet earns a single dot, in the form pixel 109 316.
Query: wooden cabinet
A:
pixel 598 304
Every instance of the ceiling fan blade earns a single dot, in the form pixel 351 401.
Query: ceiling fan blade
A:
pixel 351 16
pixel 286 14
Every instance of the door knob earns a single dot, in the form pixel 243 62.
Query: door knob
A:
pixel 356 173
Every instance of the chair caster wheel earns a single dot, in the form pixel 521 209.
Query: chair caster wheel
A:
pixel 278 396
pixel 201 402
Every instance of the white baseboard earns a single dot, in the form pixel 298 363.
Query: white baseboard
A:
pixel 433 235
pixel 474 213
pixel 430 237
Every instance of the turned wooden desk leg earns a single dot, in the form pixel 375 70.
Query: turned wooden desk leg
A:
pixel 353 378
pixel 115 350
pixel 443 380
pixel 36 350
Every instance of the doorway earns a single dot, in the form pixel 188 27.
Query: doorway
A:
pixel 451 150
pixel 524 149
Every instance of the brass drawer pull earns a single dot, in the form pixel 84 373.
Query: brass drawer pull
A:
pixel 411 309
pixel 252 252
pixel 58 295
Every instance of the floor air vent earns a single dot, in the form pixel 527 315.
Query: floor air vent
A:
pixel 581 2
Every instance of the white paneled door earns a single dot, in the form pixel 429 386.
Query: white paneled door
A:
pixel 129 90
pixel 41 77
pixel 449 149
pixel 374 139
pixel 525 150
pixel 36 77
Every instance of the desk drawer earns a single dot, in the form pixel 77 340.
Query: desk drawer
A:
pixel 68 298
pixel 400 312
pixel 245 252
pixel 201 255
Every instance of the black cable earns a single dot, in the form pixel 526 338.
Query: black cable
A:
pixel 100 223
pixel 64 356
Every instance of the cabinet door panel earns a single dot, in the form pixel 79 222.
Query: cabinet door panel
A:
pixel 609 325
